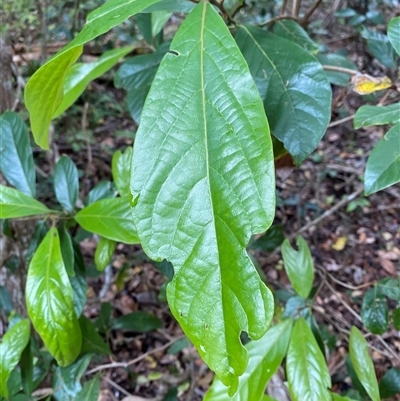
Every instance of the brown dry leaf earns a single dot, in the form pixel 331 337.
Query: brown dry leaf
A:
pixel 388 266
pixel 340 244
pixel 364 84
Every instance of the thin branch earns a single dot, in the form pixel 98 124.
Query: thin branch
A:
pixel 341 121
pixel 283 8
pixel 340 69
pixel 296 8
pixel 238 8
pixel 309 13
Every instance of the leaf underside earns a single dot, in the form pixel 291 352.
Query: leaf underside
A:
pixel 207 188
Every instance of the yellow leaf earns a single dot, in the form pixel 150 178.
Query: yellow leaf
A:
pixel 364 84
pixel 339 244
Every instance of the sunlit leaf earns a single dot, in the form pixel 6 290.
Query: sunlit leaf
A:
pixel 121 170
pixel 104 251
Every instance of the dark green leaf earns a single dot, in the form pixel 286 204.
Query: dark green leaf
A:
pixel 299 266
pixel 362 363
pixel 377 115
pixel 346 13
pixel 292 31
pixel 144 24
pixel 269 241
pixel 307 373
pixel 178 346
pixel 103 322
pixel 192 206
pixel 172 395
pixel 90 391
pixel 16 160
pixel 396 318
pixel 135 99
pixel 383 165
pixel 26 364
pixel 12 344
pixel 78 281
pixel 337 60
pixel 158 20
pixel 41 229
pixel 110 218
pixel 104 251
pixel 293 85
pixel 166 268
pixel 91 339
pixel 14 203
pixel 390 287
pixel 394 33
pixel 6 303
pixel 49 301
pixel 139 322
pixel 103 190
pixel 374 311
pixel 66 183
pixel 67 249
pixel 359 388
pixel 390 383
pixel 182 6
pixel 121 171
pixel 265 357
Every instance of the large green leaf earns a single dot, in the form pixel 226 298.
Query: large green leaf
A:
pixel 110 218
pixel 377 115
pixel 12 344
pixel 14 203
pixel 208 186
pixel 265 357
pixel 394 33
pixel 374 311
pixel 307 373
pixel 297 96
pixel 49 301
pixel 121 170
pixel 299 266
pixel 362 363
pixel 383 165
pixel 80 75
pixel 16 160
pixel 44 91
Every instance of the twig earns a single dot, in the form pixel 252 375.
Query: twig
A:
pixel 117 386
pixel 340 69
pixel 283 8
pixel 296 8
pixel 350 287
pixel 114 365
pixel 341 121
pixel 221 7
pixel 309 13
pixel 107 281
pixel 238 8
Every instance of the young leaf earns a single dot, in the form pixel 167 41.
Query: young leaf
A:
pixel 49 301
pixel 297 96
pixel 90 391
pixel 104 251
pixel 390 383
pixel 383 165
pixel 359 356
pixel 121 170
pixel 14 203
pixel 374 311
pixel 44 91
pixel 110 218
pixel 12 344
pixel 299 266
pixel 307 373
pixel 16 160
pixel 66 183
pixel 91 339
pixel 377 115
pixel 208 188
pixel 80 75
pixel 139 322
pixel 265 357
pixel 394 33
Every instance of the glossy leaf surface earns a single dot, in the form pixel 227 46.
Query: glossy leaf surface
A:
pixel 16 160
pixel 374 311
pixel 49 301
pixel 12 344
pixel 208 187
pixel 293 85
pixel 265 357
pixel 383 165
pixel 121 170
pixel 14 203
pixel 394 33
pixel 362 363
pixel 307 373
pixel 44 91
pixel 299 266
pixel 104 251
pixel 110 218
pixel 377 115
pixel 80 75
pixel 66 183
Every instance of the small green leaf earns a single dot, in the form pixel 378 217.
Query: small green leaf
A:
pixel 80 75
pixel 103 322
pixel 121 170
pixel 396 318
pixel 90 391
pixel 265 357
pixel 307 373
pixel 337 397
pixel 377 115
pixel 383 165
pixel 390 383
pixel 67 249
pixel 14 203
pixel 91 339
pixel 139 322
pixel 394 33
pixel 66 183
pixel 390 287
pixel 269 241
pixel 44 91
pixel 363 366
pixel 374 311
pixel 12 345
pixel 6 303
pixel 110 218
pixel 104 251
pixel 299 266
pixel 16 160
pixel 49 301
pixel 337 60
pixel 103 190
pixel 158 20
pixel 292 31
